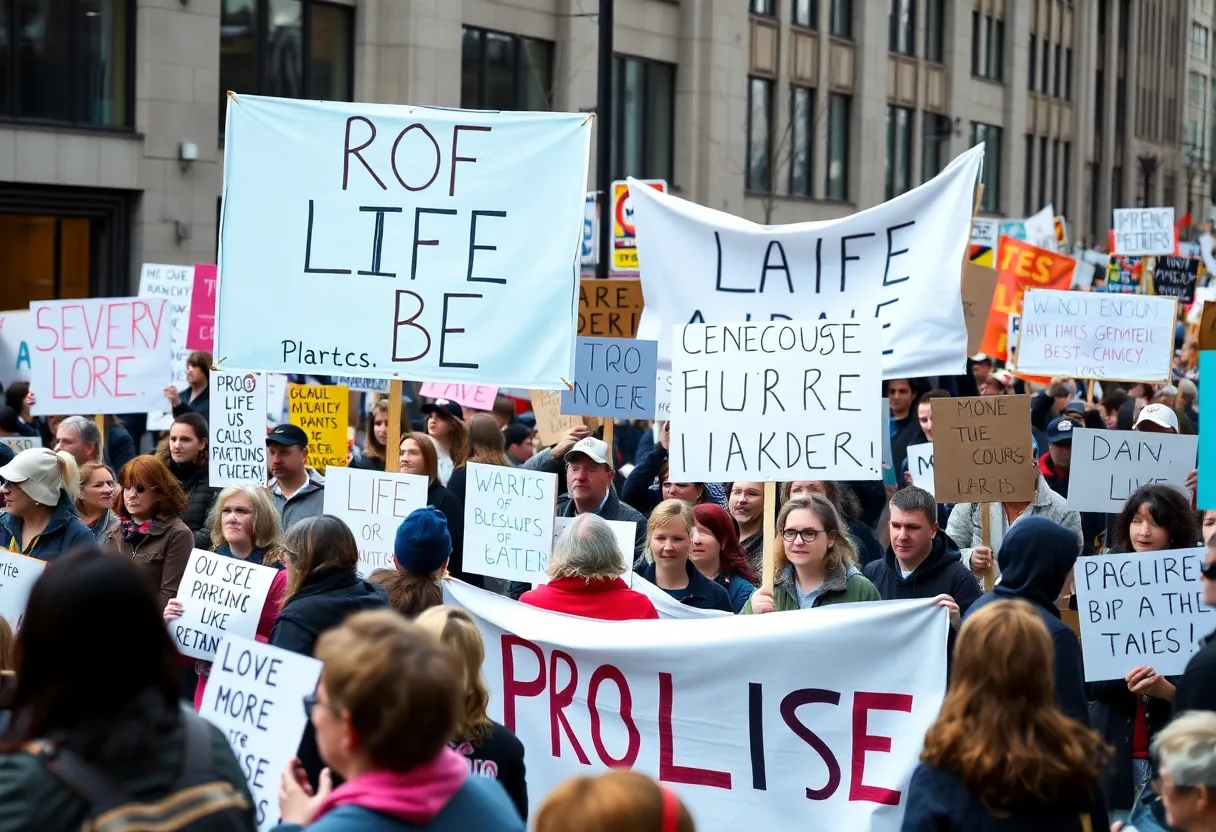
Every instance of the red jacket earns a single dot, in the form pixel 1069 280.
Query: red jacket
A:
pixel 607 600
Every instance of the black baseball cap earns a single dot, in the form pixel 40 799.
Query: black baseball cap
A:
pixel 446 406
pixel 287 435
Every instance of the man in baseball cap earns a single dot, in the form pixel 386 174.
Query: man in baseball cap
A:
pixel 296 490
pixel 1156 418
pixel 1054 464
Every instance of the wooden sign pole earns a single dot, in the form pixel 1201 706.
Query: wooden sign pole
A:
pixel 392 448
pixel 986 540
pixel 609 423
pixel 770 533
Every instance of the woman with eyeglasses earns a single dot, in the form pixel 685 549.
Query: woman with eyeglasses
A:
pixel 37 488
pixel 668 566
pixel 848 507
pixel 814 563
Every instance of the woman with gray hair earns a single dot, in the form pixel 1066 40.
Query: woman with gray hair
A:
pixel 585 571
pixel 1185 751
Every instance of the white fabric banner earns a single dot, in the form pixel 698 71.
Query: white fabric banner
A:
pixel 401 242
pixel 668 607
pixel 373 504
pixel 1108 465
pixel 798 720
pixel 176 285
pixel 220 596
pixel 900 262
pixel 237 450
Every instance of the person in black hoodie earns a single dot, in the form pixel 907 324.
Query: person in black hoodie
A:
pixel 903 395
pixel 184 452
pixel 1036 559
pixel 323 588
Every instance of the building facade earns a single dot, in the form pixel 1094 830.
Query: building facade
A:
pixel 112 111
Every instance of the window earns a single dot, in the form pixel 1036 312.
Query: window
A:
pixel 759 134
pixel 1199 42
pixel 1045 75
pixel 1044 196
pixel 899 151
pixel 643 114
pixel 505 72
pixel 1055 80
pixel 991 179
pixel 1055 172
pixel 937 131
pixel 840 21
pixel 903 27
pixel 975 44
pixel 837 185
pixel 1195 86
pixel 1068 73
pixel 68 61
pixel 290 48
pixel 996 51
pixel 935 30
pixel 1116 185
pixel 1065 178
pixel 1099 99
pixel 767 8
pixel 806 14
pixel 987 47
pixel 1028 185
pixel 802 133
pixel 1032 64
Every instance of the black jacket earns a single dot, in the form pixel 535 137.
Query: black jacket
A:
pixel 701 593
pixel 199 498
pixel 637 491
pixel 909 434
pixel 438 497
pixel 1035 559
pixel 201 405
pixel 498 756
pixel 1196 688
pixel 941 573
pixel 868 547
pixel 120 447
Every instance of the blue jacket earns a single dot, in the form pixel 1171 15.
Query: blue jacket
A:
pixel 738 590
pixel 701 592
pixel 1035 559
pixel 63 531
pixel 481 804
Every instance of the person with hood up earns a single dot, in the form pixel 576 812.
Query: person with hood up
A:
pixel 39 518
pixel 1036 561
pixel 421 551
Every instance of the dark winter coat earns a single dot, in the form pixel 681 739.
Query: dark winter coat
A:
pixel 701 592
pixel 200 405
pixel 498 756
pixel 120 447
pixel 63 531
pixel 200 496
pixel 161 554
pixel 1196 687
pixel 941 573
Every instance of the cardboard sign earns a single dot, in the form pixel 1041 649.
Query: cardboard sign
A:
pixel 237 442
pixel 17 576
pixel 16 327
pixel 662 395
pixel 200 330
pixel 1090 335
pixel 1206 498
pixel 175 284
pixel 609 308
pixel 255 697
pixel 220 596
pixel 979 285
pixel 613 377
pixel 1144 231
pixel 920 465
pixel 106 355
pixel 21 443
pixel 986 450
pixel 1176 277
pixel 475 396
pixel 1020 266
pixel 551 425
pixel 508 522
pixel 373 504
pixel 1108 465
pixel 1141 609
pixel 776 401
pixel 322 410
pixel 624 244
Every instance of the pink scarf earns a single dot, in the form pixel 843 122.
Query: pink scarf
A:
pixel 415 796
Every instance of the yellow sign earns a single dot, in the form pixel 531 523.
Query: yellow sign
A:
pixel 624 246
pixel 323 413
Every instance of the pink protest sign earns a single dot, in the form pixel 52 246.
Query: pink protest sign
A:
pixel 200 334
pixel 466 395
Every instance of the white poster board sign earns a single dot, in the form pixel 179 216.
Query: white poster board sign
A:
pixel 416 226
pixel 17 576
pixel 176 285
pixel 641 694
pixel 899 262
pixel 920 465
pixel 1041 228
pixel 508 522
pixel 16 328
pixel 1141 609
pixel 220 596
pixel 662 395
pixel 21 443
pixel 255 696
pixel 1096 335
pixel 776 401
pixel 373 504
pixel 276 399
pixel 625 533
pixel 237 445
pixel 1141 232
pixel 106 355
pixel 1108 465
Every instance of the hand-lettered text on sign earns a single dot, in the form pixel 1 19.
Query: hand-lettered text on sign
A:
pixel 982 450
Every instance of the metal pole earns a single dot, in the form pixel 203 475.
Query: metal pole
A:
pixel 603 140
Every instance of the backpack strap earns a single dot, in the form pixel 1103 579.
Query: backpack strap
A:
pixel 87 781
pixel 196 747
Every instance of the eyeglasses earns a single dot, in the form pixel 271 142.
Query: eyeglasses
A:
pixel 1208 570
pixel 310 701
pixel 807 535
pixel 139 489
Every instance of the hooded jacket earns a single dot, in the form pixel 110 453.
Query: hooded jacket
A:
pixel 63 531
pixel 1036 559
pixel 941 573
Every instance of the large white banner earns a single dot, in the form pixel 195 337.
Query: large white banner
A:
pixel 105 355
pixel 237 450
pixel 900 262
pixel 401 242
pixel 1141 609
pixel 176 285
pixel 780 401
pixel 373 504
pixel 827 741
pixel 1108 465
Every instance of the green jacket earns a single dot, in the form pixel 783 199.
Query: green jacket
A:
pixel 839 587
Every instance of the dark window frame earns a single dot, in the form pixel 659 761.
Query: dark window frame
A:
pixel 845 156
pixel 619 60
pixel 795 190
pixel 770 8
pixel 517 68
pixel 935 31
pixel 768 186
pixel 812 23
pixel 841 12
pixel 897 32
pixel 899 147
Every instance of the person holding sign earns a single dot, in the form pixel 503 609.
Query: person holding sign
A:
pixel 668 542
pixel 385 709
pixel 421 551
pixel 486 445
pixel 39 521
pixel 97 486
pixel 639 489
pixel 419 457
pixel 445 425
pixel 718 556
pixel 196 396
pixel 845 501
pixel 375 438
pixel 814 563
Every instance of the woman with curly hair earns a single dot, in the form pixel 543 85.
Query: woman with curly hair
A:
pixel 718 556
pixel 1001 755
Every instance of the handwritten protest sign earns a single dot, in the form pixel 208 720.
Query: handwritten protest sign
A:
pixel 1176 277
pixel 1108 465
pixel 508 522
pixel 276 398
pixel 662 395
pixel 979 285
pixel 984 236
pixel 237 446
pixel 1041 228
pixel 322 411
pixel 21 443
pixel 17 576
pixel 1206 497
pixel 899 262
pixel 1144 231
pixel 551 425
pixel 613 377
pixel 475 396
pixel 200 331
pixel 1123 275
pixel 106 355
pixel 625 533
pixel 1139 609
pixel 175 284
pixel 610 308
pixel 920 465
pixel 412 223
pixel 220 596
pixel 985 449
pixel 15 330
pixel 366 385
pixel 1020 266
pixel 373 504
pixel 1088 335
pixel 776 401
pixel 254 697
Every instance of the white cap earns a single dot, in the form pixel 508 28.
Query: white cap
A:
pixel 36 472
pixel 1158 414
pixel 596 449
